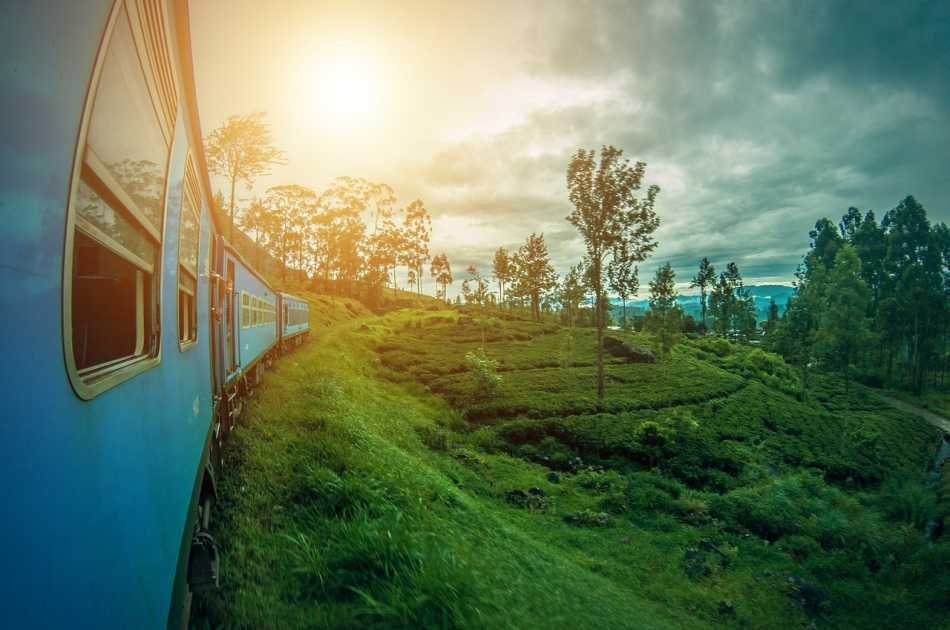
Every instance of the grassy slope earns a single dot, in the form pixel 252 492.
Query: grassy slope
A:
pixel 336 513
pixel 359 500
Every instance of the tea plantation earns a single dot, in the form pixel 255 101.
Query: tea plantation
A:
pixel 376 481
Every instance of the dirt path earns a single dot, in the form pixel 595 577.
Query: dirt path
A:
pixel 938 421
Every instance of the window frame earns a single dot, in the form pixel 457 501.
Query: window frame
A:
pixel 245 310
pixel 192 192
pixel 89 382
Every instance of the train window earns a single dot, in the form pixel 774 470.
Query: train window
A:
pixel 245 310
pixel 188 258
pixel 117 212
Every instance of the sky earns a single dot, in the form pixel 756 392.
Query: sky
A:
pixel 755 118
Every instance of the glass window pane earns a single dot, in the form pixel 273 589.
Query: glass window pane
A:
pixel 187 283
pixel 188 238
pixel 124 131
pixel 105 294
pixel 94 209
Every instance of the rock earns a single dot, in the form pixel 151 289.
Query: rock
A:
pixel 632 354
pixel 553 477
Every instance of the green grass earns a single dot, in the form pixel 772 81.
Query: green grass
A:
pixel 369 485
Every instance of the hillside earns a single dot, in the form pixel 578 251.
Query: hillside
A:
pixel 762 295
pixel 370 484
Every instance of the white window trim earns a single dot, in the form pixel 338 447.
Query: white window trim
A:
pixel 94 380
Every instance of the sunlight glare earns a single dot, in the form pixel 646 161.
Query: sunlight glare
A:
pixel 345 87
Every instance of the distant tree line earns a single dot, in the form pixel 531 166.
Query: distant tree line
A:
pixel 873 300
pixel 351 233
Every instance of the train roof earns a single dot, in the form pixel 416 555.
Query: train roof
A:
pixel 234 252
pixel 293 297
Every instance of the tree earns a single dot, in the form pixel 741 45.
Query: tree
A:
pixel 241 150
pixel 340 237
pixel 843 330
pixel 795 334
pixel 704 279
pixel 381 256
pixel 501 268
pixel 869 242
pixel 291 209
pixel 607 212
pixel 825 242
pixel 479 294
pixel 721 305
pixel 533 272
pixel 664 317
pixel 417 229
pixel 572 292
pixel 913 266
pixel 622 277
pixel 769 325
pixel 732 306
pixel 442 273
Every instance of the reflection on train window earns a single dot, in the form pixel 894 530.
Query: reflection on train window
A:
pixel 118 222
pixel 125 145
pixel 188 259
pixel 187 313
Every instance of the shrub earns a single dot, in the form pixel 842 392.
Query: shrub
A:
pixel 588 518
pixel 907 501
pixel 599 480
pixel 484 371
pixel 650 492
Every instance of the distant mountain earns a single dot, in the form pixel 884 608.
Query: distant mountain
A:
pixel 762 294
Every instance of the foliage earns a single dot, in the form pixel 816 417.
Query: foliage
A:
pixel 484 372
pixel 898 272
pixel 441 271
pixel 532 273
pixel 622 277
pixel 241 150
pixel 844 331
pixel 664 317
pixel 611 219
pixel 357 500
pixel 703 280
pixel 503 270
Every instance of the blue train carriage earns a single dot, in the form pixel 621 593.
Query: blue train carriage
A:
pixel 252 334
pixel 294 321
pixel 106 285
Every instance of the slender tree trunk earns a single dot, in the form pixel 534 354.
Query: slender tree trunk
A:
pixel 599 323
pixel 624 300
pixel 702 306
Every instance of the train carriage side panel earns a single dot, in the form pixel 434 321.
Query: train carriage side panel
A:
pixel 255 310
pixel 295 317
pixel 96 482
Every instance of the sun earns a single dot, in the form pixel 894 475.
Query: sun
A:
pixel 345 87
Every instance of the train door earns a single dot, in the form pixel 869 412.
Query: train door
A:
pixel 216 304
pixel 230 316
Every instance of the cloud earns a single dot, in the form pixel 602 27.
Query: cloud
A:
pixel 755 119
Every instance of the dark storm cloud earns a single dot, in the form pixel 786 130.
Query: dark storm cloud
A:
pixel 758 118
